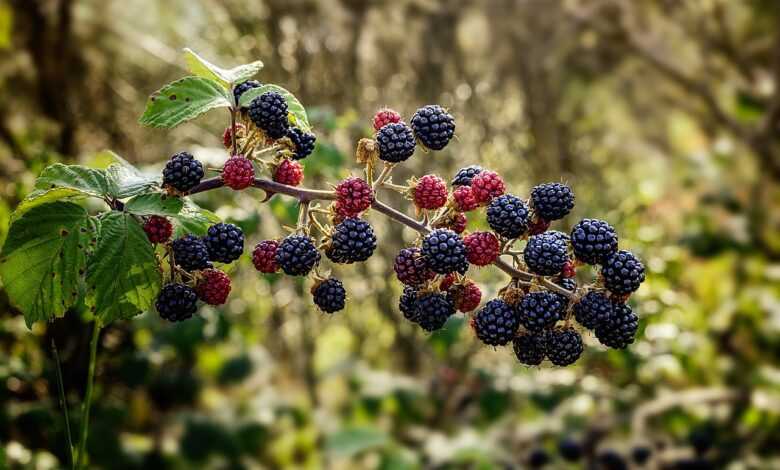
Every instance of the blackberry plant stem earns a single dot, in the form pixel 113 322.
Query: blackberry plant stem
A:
pixel 93 345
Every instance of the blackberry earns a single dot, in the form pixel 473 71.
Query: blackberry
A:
pixel 531 348
pixel 622 272
pixel 396 142
pixel 329 295
pixel 410 267
pixel 564 346
pixel 354 195
pixel 552 201
pixel 407 303
pixel 570 449
pixel 158 229
pixel 429 192
pixel 288 172
pixel 238 172
pixel 353 240
pixel 482 248
pixel 239 89
pixel 444 251
pixel 225 242
pixel 463 199
pixel 297 255
pixel 464 175
pixel 176 302
pixel 303 142
pixel 214 287
pixel 496 323
pixel 433 310
pixel 620 330
pixel 539 310
pixel 568 283
pixel 264 256
pixel 487 185
pixel 466 296
pixel 190 253
pixel 182 172
pixel 641 454
pixel 434 126
pixel 545 254
pixel 593 310
pixel 593 240
pixel 507 215
pixel 611 460
pixel 269 113
pixel 538 458
pixel 384 117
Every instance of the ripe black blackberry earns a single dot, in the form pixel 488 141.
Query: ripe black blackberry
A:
pixel 190 253
pixel 444 251
pixel 564 346
pixel 225 242
pixel 539 310
pixel 538 458
pixel 303 142
pixel 568 283
pixel 182 172
pixel 434 126
pixel 410 267
pixel 297 255
pixel 353 240
pixel 329 295
pixel 593 240
pixel 496 323
pixel 507 215
pixel 433 310
pixel 640 454
pixel 552 201
pixel 593 310
pixel 269 112
pixel 531 348
pixel 176 302
pixel 396 142
pixel 545 254
pixel 570 449
pixel 622 272
pixel 619 332
pixel 239 89
pixel 464 175
pixel 611 460
pixel 408 302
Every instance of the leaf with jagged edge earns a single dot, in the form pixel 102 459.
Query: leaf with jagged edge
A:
pixel 154 204
pixel 294 106
pixel 193 219
pixel 184 100
pixel 45 196
pixel 201 67
pixel 88 181
pixel 125 180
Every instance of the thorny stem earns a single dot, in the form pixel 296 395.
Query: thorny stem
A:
pixel 306 195
pixel 93 345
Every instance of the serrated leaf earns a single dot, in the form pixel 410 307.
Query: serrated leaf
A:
pixel 203 68
pixel 294 107
pixel 44 196
pixel 154 204
pixel 89 181
pixel 244 72
pixel 193 219
pixel 122 274
pixel 183 100
pixel 43 259
pixel 125 180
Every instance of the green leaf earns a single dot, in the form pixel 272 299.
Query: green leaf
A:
pixel 349 442
pixel 44 196
pixel 43 259
pixel 154 204
pixel 80 178
pixel 244 72
pixel 125 180
pixel 225 77
pixel 295 108
pixel 122 274
pixel 193 219
pixel 183 100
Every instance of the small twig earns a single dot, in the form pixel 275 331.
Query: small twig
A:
pixel 63 401
pixel 93 345
pixel 388 168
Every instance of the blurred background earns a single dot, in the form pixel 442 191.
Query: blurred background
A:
pixel 662 115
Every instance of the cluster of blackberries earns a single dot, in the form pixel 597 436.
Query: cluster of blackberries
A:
pixel 572 450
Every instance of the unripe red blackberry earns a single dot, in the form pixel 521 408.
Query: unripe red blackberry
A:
pixel 289 172
pixel 434 126
pixel 564 346
pixel 432 311
pixel 384 117
pixel 447 281
pixel 569 269
pixel 297 255
pixel 620 331
pixel 353 240
pixel 410 267
pixel 496 323
pixel 481 248
pixel 354 196
pixel 487 185
pixel 190 253
pixel 593 240
pixel 303 142
pixel 530 348
pixel 538 226
pixel 463 199
pixel 182 172
pixel 507 215
pixel 238 172
pixel 539 310
pixel 176 302
pixel 455 222
pixel 269 113
pixel 213 287
pixel 466 296
pixel 552 201
pixel 444 251
pixel 396 142
pixel 429 192
pixel 593 310
pixel 464 176
pixel 545 254
pixel 227 136
pixel 623 273
pixel 158 229
pixel 264 256
pixel 329 295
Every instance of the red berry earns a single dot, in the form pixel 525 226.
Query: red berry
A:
pixel 430 192
pixel 486 186
pixel 158 229
pixel 227 136
pixel 538 226
pixel 264 256
pixel 385 116
pixel 289 172
pixel 464 200
pixel 458 223
pixel 569 269
pixel 466 296
pixel 238 172
pixel 481 248
pixel 447 282
pixel 354 196
pixel 214 287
